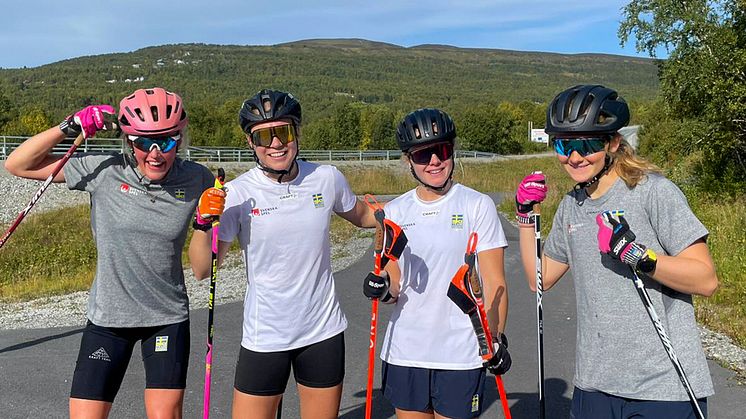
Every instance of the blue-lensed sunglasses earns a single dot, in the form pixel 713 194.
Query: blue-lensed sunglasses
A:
pixel 584 145
pixel 146 144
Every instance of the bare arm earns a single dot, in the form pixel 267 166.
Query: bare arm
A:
pixel 491 269
pixel 691 271
pixel 551 270
pixel 360 215
pixel 32 159
pixel 200 254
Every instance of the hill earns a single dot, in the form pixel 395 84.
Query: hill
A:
pixel 321 73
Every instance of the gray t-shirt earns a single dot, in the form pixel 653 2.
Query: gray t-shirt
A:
pixel 139 229
pixel 618 351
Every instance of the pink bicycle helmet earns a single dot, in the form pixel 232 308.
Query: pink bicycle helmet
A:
pixel 152 112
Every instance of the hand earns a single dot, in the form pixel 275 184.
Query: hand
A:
pixel 617 240
pixel 532 190
pixel 500 362
pixel 87 120
pixel 210 207
pixel 376 287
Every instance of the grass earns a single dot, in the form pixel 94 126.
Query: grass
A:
pixel 52 253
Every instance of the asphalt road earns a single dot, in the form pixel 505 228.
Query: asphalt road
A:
pixel 36 365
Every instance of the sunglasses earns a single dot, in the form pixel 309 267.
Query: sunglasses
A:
pixel 163 144
pixel 263 136
pixel 443 151
pixel 583 146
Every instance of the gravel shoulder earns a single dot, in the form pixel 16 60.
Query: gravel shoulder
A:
pixel 70 309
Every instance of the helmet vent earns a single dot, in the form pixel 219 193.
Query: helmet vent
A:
pixel 417 133
pixel 154 112
pixel 435 128
pixel 139 114
pixel 169 108
pixel 267 104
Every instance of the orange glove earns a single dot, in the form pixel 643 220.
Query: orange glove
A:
pixel 211 205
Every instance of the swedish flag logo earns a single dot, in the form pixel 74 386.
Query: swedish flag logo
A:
pixel 457 221
pixel 475 403
pixel 318 200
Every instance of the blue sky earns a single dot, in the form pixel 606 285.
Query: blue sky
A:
pixel 39 32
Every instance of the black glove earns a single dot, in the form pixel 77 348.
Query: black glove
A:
pixel 376 287
pixel 500 362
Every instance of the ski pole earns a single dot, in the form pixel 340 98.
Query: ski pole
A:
pixel 475 284
pixel 640 286
pixel 211 301
pixel 44 186
pixel 377 248
pixel 539 309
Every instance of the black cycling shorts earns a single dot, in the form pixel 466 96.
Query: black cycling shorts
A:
pixel 105 353
pixel 320 365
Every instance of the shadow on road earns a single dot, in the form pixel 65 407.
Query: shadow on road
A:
pixel 39 341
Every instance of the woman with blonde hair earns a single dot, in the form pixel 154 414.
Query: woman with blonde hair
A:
pixel 624 230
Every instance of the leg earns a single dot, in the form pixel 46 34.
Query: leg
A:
pixel 89 409
pixel 249 406
pixel 319 371
pixel 411 414
pixel 319 403
pixel 102 361
pixel 165 353
pixel 260 381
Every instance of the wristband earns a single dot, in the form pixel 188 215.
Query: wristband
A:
pixel 648 262
pixel 527 219
pixel 200 226
pixel 69 127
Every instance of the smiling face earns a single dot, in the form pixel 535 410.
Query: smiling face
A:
pixel 584 168
pixel 155 164
pixel 433 163
pixel 278 155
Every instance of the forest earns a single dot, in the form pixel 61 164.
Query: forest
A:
pixel 353 92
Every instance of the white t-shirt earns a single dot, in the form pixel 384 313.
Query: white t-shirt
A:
pixel 283 230
pixel 427 329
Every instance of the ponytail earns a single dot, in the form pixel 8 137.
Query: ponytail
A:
pixel 632 168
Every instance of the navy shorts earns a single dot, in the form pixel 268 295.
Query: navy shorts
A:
pixel 598 405
pixel 105 353
pixel 320 365
pixel 452 393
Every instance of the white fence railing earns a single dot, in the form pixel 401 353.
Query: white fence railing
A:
pixel 225 154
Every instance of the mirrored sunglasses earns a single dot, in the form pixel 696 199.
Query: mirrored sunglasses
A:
pixel 146 144
pixel 263 136
pixel 443 151
pixel 582 145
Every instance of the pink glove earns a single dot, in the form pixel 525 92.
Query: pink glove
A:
pixel 87 120
pixel 532 190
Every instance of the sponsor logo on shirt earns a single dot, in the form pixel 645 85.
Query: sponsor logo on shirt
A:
pixel 406 226
pixel 179 194
pixel 318 200
pixel 161 343
pixel 100 354
pixel 431 213
pixel 257 212
pixel 289 196
pixel 457 221
pixel 125 188
pixel 571 228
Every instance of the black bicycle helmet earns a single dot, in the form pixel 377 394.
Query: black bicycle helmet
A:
pixel 425 126
pixel 587 109
pixel 268 105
